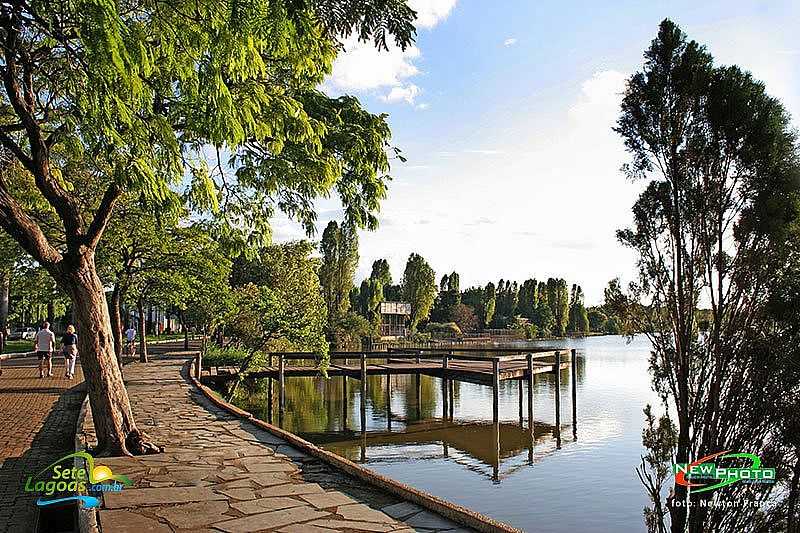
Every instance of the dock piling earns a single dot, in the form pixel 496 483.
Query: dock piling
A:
pixel 574 377
pixel 530 406
pixel 281 386
pixel 557 370
pixel 363 394
pixel 388 401
pixel 344 402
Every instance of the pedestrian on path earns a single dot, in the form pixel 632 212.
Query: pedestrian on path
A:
pixel 130 335
pixel 69 349
pixel 45 343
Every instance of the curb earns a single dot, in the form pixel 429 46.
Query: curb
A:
pixel 87 517
pixel 456 513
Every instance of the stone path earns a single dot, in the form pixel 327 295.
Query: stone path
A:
pixel 221 473
pixel 37 426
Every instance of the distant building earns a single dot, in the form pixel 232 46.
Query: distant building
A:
pixel 394 316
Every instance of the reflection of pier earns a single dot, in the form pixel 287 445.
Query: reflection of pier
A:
pixel 486 366
pixel 474 439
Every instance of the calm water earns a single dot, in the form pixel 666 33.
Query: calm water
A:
pixel 587 485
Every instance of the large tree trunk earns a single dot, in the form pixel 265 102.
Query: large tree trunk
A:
pixel 185 331
pixel 111 410
pixel 114 305
pixel 142 331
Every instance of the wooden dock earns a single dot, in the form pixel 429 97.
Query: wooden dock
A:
pixel 483 366
pixel 450 364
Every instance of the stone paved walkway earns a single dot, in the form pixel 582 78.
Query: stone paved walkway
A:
pixel 37 426
pixel 221 473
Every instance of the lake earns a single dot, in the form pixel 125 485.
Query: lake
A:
pixel 588 484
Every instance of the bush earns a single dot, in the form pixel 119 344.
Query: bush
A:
pixel 216 356
pixel 447 328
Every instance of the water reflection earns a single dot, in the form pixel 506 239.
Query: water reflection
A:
pixel 589 485
pixel 423 416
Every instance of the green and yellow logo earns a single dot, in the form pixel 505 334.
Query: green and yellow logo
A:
pixel 704 469
pixel 58 483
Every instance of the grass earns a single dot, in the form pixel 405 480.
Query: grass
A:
pixel 18 346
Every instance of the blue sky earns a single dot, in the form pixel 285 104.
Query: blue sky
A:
pixel 504 111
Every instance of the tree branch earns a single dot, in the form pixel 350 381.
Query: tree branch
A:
pixel 24 229
pixel 102 215
pixel 38 163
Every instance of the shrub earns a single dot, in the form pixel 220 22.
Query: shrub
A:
pixel 448 328
pixel 216 356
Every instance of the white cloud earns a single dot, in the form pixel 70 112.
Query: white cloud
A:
pixel 361 67
pixel 431 12
pixel 511 41
pixel 600 99
pixel 405 93
pixel 423 106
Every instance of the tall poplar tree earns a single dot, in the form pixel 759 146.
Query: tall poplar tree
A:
pixel 715 225
pixel 419 288
pixel 339 248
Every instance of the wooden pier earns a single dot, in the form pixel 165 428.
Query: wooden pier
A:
pixel 483 366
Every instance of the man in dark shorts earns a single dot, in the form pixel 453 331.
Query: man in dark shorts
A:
pixel 45 343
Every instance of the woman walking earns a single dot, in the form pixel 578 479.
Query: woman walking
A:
pixel 69 348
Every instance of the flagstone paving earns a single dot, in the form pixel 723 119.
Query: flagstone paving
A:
pixel 37 426
pixel 221 473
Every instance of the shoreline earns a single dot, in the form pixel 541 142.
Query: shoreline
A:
pixel 450 510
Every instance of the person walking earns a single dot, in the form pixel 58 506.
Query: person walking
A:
pixel 69 348
pixel 45 342
pixel 130 336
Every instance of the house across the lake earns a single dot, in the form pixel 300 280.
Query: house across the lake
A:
pixel 394 317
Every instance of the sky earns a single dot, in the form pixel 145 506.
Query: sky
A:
pixel 505 111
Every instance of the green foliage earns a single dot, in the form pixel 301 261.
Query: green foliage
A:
pixel 464 317
pixel 578 317
pixel 419 288
pixel 528 298
pixel 715 225
pixel 278 303
pixel 448 298
pixel 339 248
pixel 349 329
pixel 381 272
pixel 216 356
pixel 370 297
pixel 597 320
pixel 449 329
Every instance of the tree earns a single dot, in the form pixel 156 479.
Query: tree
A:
pixel 597 320
pixel 339 248
pixel 136 243
pixel 183 269
pixel 528 298
pixel 464 317
pixel 578 317
pixel 133 98
pixel 278 301
pixel 558 300
pixel 716 224
pixel 381 272
pixel 370 297
pixel 489 303
pixel 419 288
